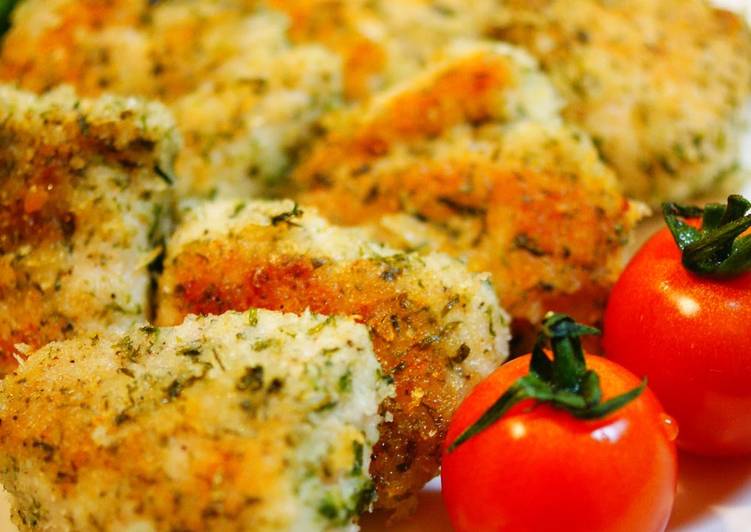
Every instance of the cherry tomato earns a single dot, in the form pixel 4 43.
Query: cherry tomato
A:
pixel 539 468
pixel 691 337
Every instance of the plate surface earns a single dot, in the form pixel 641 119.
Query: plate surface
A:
pixel 713 496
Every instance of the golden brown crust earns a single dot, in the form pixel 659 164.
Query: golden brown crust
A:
pixel 466 91
pixel 214 278
pixel 49 51
pixel 80 190
pixel 657 83
pixel 440 162
pixel 222 423
pixel 245 99
pixel 538 233
pixel 333 23
pixel 434 338
pixel 382 41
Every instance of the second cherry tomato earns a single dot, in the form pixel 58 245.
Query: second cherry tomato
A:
pixel 690 335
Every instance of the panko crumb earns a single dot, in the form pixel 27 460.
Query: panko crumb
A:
pixel 658 84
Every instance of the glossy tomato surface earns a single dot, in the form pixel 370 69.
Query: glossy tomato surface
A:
pixel 691 337
pixel 541 469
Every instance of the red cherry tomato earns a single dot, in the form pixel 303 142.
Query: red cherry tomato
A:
pixel 691 337
pixel 539 468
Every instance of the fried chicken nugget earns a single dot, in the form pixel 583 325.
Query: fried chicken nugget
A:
pixel 472 158
pixel 256 421
pixel 658 84
pixel 383 41
pixel 82 203
pixel 244 98
pixel 436 328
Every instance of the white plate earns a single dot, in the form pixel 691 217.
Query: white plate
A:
pixel 713 496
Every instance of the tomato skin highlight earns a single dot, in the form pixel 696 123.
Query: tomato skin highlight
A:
pixel 691 337
pixel 540 469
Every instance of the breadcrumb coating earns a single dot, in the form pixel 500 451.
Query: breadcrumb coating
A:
pixel 254 421
pixel 244 98
pixel 82 208
pixel 436 328
pixel 658 84
pixel 383 41
pixel 472 158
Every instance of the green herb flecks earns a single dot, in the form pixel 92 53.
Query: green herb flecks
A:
pixel 364 497
pixel 285 217
pixel 253 317
pixel 526 243
pixel 326 406
pixel 238 209
pixel 328 508
pixel 165 174
pixel 178 386
pixel 563 382
pixel 124 348
pixel 340 511
pixel 345 382
pixel 174 390
pixel 251 380
pixel 461 354
pixel 716 249
pixel 330 320
pixel 262 345
pixel 148 329
pixel 357 450
pixel 190 351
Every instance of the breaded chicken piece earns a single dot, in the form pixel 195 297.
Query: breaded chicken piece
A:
pixel 658 84
pixel 471 158
pixel 383 41
pixel 82 199
pixel 436 328
pixel 255 421
pixel 244 98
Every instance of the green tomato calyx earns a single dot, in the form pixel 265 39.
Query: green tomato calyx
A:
pixel 717 249
pixel 563 382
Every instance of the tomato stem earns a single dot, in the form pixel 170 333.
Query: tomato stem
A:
pixel 717 249
pixel 563 381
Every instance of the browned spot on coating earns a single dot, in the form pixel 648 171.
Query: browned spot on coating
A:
pixel 465 92
pixel 27 216
pixel 538 233
pixel 41 208
pixel 49 58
